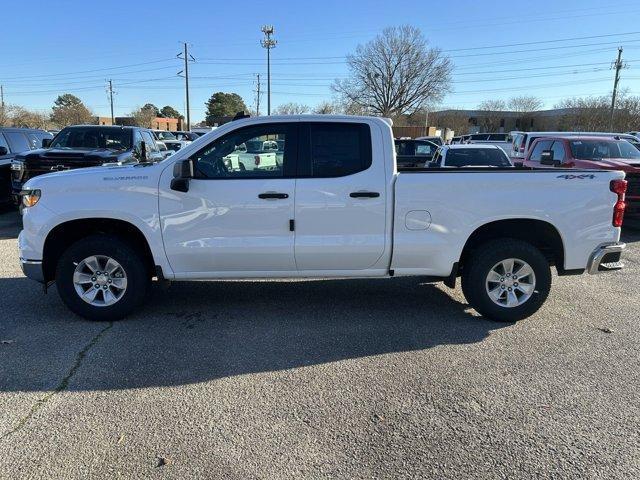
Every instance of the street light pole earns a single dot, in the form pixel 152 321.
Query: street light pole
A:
pixel 268 43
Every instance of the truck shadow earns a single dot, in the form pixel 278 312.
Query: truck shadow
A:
pixel 197 332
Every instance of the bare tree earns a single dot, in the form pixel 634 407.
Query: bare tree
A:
pixel 21 117
pixel 17 116
pixel 493 114
pixel 593 113
pixel 291 108
pixel 144 117
pixel 525 104
pixel 451 119
pixel 325 108
pixel 395 73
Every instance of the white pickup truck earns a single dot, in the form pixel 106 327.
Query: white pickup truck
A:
pixel 336 206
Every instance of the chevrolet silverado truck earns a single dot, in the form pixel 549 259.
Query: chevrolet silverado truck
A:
pixel 84 146
pixel 335 207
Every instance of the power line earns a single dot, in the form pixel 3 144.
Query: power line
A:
pixel 89 71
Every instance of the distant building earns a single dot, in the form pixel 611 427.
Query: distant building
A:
pixel 159 123
pixel 480 121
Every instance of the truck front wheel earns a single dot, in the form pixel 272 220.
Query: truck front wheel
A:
pixel 101 277
pixel 506 280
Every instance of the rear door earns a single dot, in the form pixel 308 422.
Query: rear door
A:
pixel 340 209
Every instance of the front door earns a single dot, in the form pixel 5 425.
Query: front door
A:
pixel 341 196
pixel 236 216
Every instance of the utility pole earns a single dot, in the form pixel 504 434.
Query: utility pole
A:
pixel 111 101
pixel 257 94
pixel 268 43
pixel 1 96
pixel 617 65
pixel 187 58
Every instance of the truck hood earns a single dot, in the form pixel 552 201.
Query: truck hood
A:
pixel 71 156
pixel 94 177
pixel 624 164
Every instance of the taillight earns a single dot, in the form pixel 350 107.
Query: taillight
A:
pixel 257 160
pixel 619 187
pixel 522 145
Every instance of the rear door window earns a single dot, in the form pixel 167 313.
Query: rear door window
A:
pixel 336 149
pixel 540 147
pixel 18 141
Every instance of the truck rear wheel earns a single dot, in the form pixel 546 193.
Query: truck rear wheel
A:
pixel 101 277
pixel 506 280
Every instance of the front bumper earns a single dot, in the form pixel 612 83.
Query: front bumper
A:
pixel 606 258
pixel 32 269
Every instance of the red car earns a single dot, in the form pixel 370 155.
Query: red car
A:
pixel 606 153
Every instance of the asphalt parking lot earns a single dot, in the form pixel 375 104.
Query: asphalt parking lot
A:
pixel 316 379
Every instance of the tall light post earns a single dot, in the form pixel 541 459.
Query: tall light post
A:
pixel 268 43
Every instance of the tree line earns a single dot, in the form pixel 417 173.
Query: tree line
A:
pixel 68 109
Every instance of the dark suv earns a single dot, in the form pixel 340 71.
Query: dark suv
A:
pixel 85 146
pixel 12 142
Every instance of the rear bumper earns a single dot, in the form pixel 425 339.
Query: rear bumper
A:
pixel 606 258
pixel 32 269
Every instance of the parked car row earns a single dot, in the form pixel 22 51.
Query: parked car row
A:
pixel 25 153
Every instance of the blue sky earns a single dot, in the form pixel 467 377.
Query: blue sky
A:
pixel 50 48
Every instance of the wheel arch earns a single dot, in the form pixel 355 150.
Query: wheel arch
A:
pixel 539 233
pixel 66 233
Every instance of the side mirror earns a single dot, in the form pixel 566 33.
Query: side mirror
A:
pixel 3 151
pixel 143 151
pixel 46 142
pixel 546 158
pixel 182 173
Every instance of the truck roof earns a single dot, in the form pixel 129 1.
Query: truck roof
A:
pixel 465 146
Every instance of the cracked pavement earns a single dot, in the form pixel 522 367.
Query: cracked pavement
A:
pixel 317 379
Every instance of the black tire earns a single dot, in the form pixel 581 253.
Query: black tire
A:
pixel 138 278
pixel 481 261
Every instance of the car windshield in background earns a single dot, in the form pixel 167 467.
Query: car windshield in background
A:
pixel 165 136
pixel 599 149
pixel 93 138
pixel 476 157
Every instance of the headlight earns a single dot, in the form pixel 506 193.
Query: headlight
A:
pixel 30 197
pixel 17 165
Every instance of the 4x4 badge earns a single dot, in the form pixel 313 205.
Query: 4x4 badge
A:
pixel 579 177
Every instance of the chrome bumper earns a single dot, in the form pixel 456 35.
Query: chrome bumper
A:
pixel 606 258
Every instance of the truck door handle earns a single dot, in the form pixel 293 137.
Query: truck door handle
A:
pixel 364 194
pixel 268 195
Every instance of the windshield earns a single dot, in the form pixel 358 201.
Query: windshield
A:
pixel 476 157
pixel 165 135
pixel 93 138
pixel 599 149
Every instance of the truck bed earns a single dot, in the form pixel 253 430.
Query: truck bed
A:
pixel 434 217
